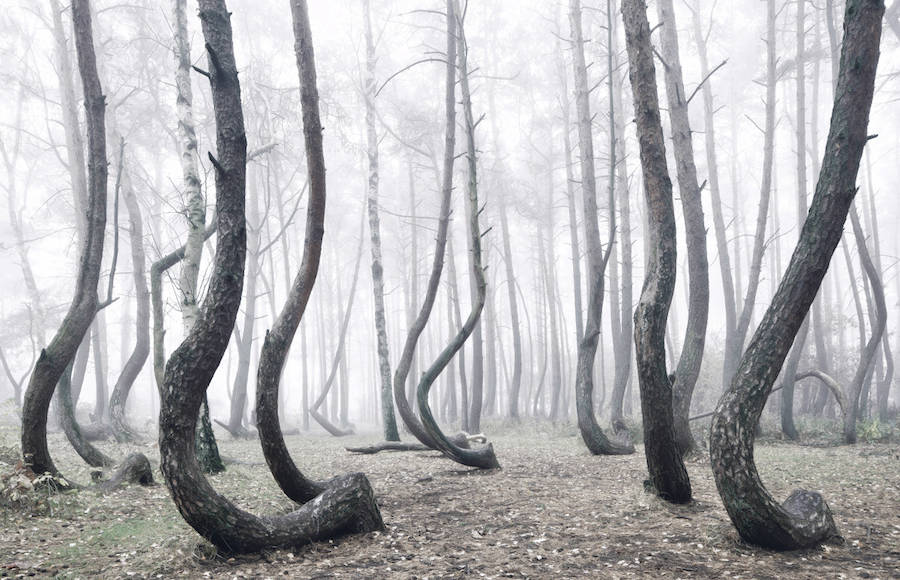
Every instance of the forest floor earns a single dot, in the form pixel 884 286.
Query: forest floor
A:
pixel 552 511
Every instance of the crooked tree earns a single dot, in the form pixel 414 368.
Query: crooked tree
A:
pixel 348 505
pixel 668 474
pixel 804 520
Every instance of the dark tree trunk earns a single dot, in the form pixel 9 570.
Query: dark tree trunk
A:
pixel 695 231
pixel 59 353
pixel 804 520
pixel 667 472
pixel 594 437
pixel 348 505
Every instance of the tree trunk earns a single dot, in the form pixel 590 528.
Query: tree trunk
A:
pixel 482 457
pixel 348 505
pixel 790 369
pixel 515 384
pixel 667 472
pixel 384 362
pixel 239 387
pixel 623 363
pixel 58 354
pixel 196 213
pixel 868 352
pixel 597 442
pixel 412 337
pixel 453 283
pixel 804 520
pixel 121 429
pixel 689 362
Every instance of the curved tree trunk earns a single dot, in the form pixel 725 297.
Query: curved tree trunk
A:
pixel 121 430
pixel 667 472
pixel 594 437
pixel 409 347
pixel 870 349
pixel 57 356
pixel 830 385
pixel 689 362
pixel 349 504
pixel 804 520
pixel 206 447
pixel 482 457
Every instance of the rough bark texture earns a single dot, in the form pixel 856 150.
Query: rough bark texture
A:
pixel 412 337
pixel 594 437
pixel 689 362
pixel 389 422
pixel 349 504
pixel 482 457
pixel 59 353
pixel 755 513
pixel 667 472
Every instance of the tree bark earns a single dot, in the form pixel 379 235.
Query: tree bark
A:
pixel 596 440
pixel 384 362
pixel 349 504
pixel 804 520
pixel 689 362
pixel 59 353
pixel 667 472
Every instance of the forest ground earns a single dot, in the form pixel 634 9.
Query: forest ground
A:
pixel 553 511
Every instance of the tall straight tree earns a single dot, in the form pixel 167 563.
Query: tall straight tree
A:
pixel 60 352
pixel 348 505
pixel 668 474
pixel 597 442
pixel 689 362
pixel 384 359
pixel 804 520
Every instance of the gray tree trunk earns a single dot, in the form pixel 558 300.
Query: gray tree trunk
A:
pixel 597 442
pixel 691 358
